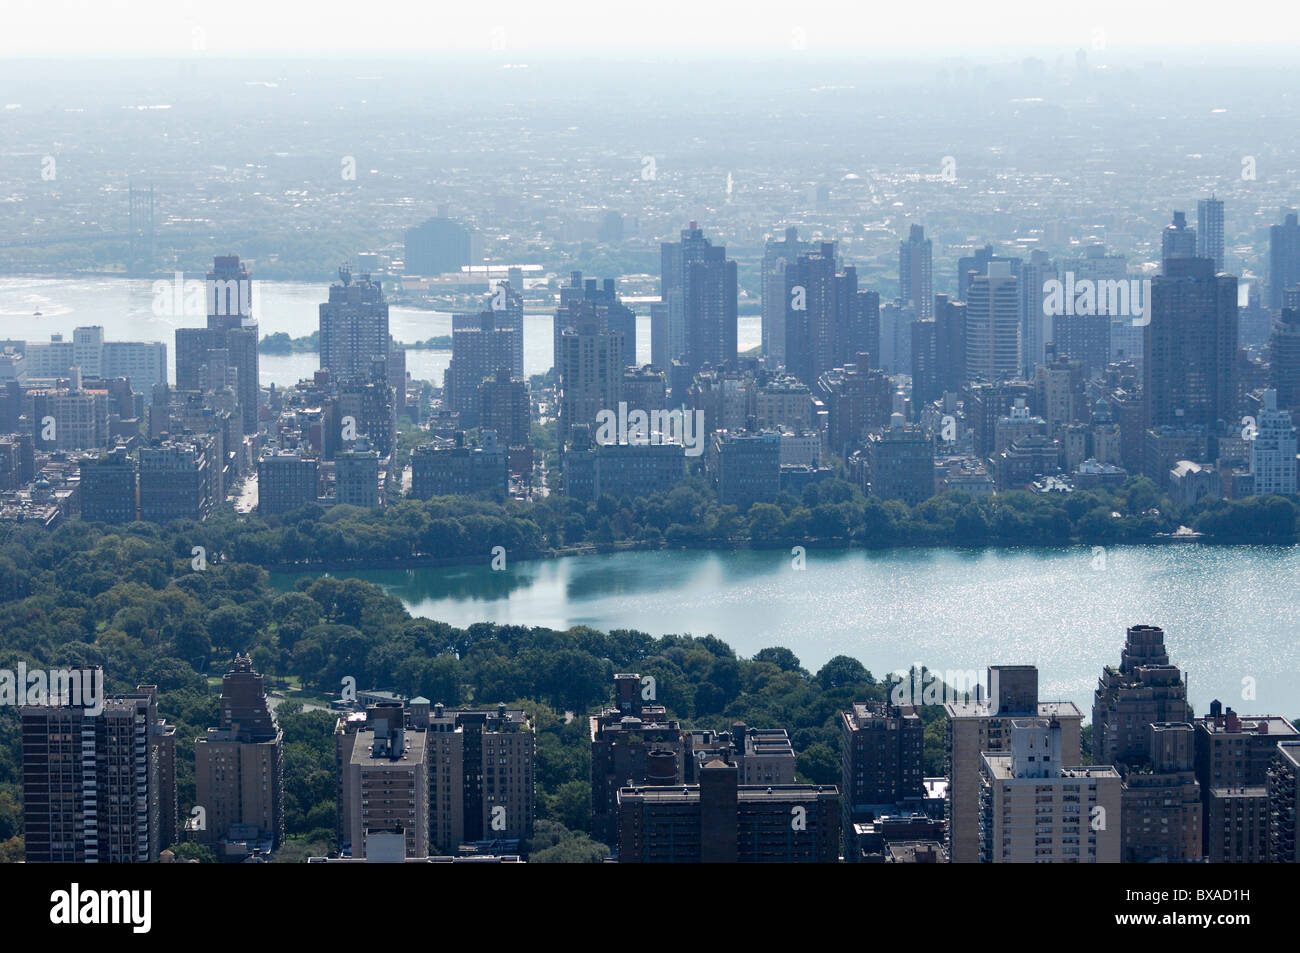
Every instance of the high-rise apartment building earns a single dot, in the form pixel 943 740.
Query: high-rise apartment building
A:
pixel 900 462
pixel 108 488
pixel 583 296
pixel 1209 231
pixel 983 725
pixel 1036 808
pixel 699 286
pixel 589 366
pixel 481 774
pixel 1273 449
pixel 457 469
pixel 623 738
pixel 950 343
pixel 98 788
pixel 882 755
pixel 828 321
pixel 180 479
pixel 993 324
pixel 239 765
pixel 1284 343
pixel 286 481
pixel 353 327
pixel 1284 802
pixel 1190 347
pixel 1161 800
pixel 1233 756
pixel 720 820
pixel 778 254
pixel 1283 259
pixel 385 779
pixel 356 478
pixel 477 354
pixel 1146 689
pixel 916 272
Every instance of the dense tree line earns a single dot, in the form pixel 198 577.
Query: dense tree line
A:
pixel 833 512
pixel 138 601
pixel 131 601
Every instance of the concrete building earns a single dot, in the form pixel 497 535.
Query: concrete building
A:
pixel 180 479
pixel 900 462
pixel 1273 450
pixel 748 468
pixel 481 775
pixel 1036 809
pixel 1237 825
pixel 353 326
pixel 882 750
pixel 356 478
pixel 631 742
pixel 98 788
pixel 1233 756
pixel 286 481
pixel 1146 689
pixel 993 324
pixel 108 488
pixel 721 821
pixel 457 469
pixel 1161 800
pixel 1284 802
pixel 975 727
pixel 239 765
pixel 385 775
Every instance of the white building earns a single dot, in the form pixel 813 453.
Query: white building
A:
pixel 1273 451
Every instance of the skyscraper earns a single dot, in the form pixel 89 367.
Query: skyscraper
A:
pixel 1283 259
pixel 1178 240
pixel 231 318
pixel 828 320
pixel 777 255
pixel 1190 345
pixel 1209 231
pixel 353 326
pixel 950 343
pixel 699 286
pixel 98 788
pixel 589 367
pixel 1035 331
pixel 993 324
pixel 915 273
pixel 1145 689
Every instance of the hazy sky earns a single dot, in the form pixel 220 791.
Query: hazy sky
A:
pixel 653 27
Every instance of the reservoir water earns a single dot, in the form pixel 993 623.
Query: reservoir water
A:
pixel 1230 614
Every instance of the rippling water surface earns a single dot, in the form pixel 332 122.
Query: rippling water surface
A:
pixel 1229 614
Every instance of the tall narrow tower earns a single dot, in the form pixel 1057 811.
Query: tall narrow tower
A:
pixel 140 253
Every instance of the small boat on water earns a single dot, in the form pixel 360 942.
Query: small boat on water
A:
pixel 36 314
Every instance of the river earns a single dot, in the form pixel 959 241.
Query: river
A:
pixel 123 307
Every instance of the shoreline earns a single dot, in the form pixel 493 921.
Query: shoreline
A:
pixel 593 549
